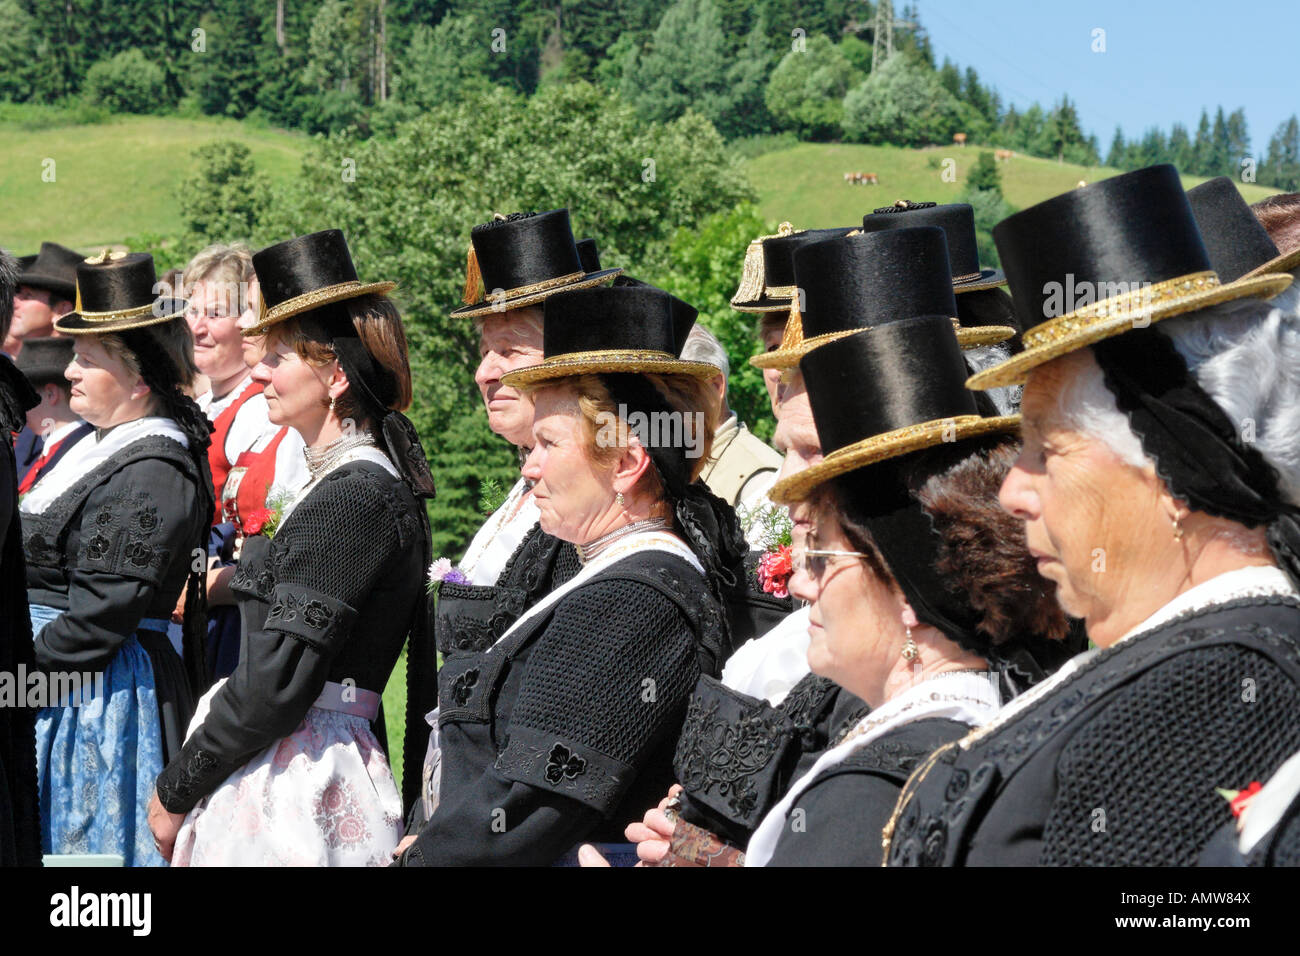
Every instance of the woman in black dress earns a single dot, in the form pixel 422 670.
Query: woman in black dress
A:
pixel 283 764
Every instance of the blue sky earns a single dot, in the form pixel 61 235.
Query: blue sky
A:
pixel 1163 61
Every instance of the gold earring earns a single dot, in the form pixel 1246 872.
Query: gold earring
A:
pixel 1178 529
pixel 332 400
pixel 619 498
pixel 910 651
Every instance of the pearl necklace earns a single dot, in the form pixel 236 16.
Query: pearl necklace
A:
pixel 319 460
pixel 592 548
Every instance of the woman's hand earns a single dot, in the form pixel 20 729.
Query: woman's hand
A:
pixel 588 855
pixel 178 613
pixel 654 833
pixel 401 847
pixel 165 825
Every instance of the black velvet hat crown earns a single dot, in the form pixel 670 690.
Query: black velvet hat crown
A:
pixel 1237 242
pixel 43 360
pixel 861 281
pixel 957 220
pixel 521 259
pixel 1103 259
pixel 767 282
pixel 588 255
pixel 117 291
pixel 53 268
pixel 883 392
pixel 305 273
pixel 614 329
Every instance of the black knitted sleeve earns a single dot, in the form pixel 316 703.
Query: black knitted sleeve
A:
pixel 1136 782
pixel 326 556
pixel 604 687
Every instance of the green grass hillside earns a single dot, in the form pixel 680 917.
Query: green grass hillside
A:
pixel 805 183
pixel 114 180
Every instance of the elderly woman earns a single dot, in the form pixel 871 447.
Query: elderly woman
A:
pixel 282 765
pixel 1158 488
pixel 220 282
pixel 108 535
pixel 557 730
pixel 919 590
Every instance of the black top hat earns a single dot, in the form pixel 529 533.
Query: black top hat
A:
pixel 1237 242
pixel 767 282
pixel 53 268
pixel 304 273
pixel 588 255
pixel 24 262
pixel 860 281
pixel 614 329
pixel 118 291
pixel 43 360
pixel 1103 259
pixel 521 259
pixel 883 392
pixel 957 220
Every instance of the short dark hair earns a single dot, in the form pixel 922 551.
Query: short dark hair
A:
pixel 8 286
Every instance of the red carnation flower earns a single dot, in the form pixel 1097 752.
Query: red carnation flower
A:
pixel 774 570
pixel 256 521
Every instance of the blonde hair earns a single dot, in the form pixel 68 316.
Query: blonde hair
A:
pixel 229 264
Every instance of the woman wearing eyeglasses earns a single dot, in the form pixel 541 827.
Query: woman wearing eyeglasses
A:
pixel 921 590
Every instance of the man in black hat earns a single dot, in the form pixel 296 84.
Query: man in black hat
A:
pixel 47 288
pixel 20 838
pixel 42 361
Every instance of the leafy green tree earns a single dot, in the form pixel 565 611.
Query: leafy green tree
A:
pixel 224 198
pixel 984 174
pixel 407 201
pixel 807 89
pixel 230 70
pixel 127 83
pixel 1282 162
pixel 1180 147
pixel 18 66
pixel 857 52
pixel 1117 156
pixel 682 68
pixel 901 103
pixel 443 62
pixel 706 266
pixel 1202 147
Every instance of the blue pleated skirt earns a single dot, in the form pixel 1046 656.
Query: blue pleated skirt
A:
pixel 97 761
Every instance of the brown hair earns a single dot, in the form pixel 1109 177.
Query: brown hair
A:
pixel 173 339
pixel 1280 216
pixel 379 327
pixel 982 552
pixel 685 395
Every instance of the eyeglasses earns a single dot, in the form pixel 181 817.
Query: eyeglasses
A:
pixel 815 561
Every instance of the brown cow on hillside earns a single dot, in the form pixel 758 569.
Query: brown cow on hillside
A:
pixel 959 139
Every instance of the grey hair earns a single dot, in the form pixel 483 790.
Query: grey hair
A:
pixel 8 286
pixel 702 346
pixel 532 316
pixel 1006 398
pixel 230 264
pixel 1245 354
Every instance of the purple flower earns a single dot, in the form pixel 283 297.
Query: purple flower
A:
pixel 443 570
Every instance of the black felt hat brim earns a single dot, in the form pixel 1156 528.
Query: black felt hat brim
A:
pixel 61 287
pixel 987 279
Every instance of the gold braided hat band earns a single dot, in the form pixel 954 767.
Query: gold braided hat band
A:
pixel 570 364
pixel 290 307
pixel 1135 308
pixel 1131 304
pixel 781 291
pixel 523 290
pixel 753 272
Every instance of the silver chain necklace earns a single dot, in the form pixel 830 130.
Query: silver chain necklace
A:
pixel 592 548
